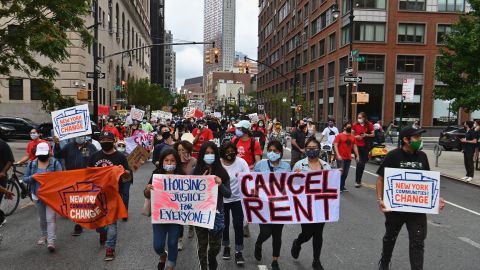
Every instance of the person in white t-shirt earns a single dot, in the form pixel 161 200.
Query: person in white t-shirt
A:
pixel 234 166
pixel 330 132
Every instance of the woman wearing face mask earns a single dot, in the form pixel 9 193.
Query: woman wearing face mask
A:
pixel 234 167
pixel 166 142
pixel 133 130
pixel 273 163
pixel 310 230
pixel 43 163
pixel 208 163
pixel 170 161
pixel 124 187
pixel 362 130
pixel 259 131
pixel 31 146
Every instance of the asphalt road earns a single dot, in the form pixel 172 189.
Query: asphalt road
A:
pixel 354 242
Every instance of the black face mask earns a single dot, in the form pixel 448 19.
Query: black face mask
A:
pixel 43 158
pixel 107 146
pixel 165 135
pixel 230 156
pixel 348 129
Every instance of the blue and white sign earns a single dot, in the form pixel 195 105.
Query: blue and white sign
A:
pixel 72 122
pixel 415 191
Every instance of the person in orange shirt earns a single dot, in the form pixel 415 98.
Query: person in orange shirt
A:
pixel 111 128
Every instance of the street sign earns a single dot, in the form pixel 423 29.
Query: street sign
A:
pixel 355 52
pixel 352 79
pixel 91 75
pixel 408 89
pixel 359 59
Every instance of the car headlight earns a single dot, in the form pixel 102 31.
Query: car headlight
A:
pixel 4 128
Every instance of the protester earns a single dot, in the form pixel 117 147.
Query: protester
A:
pixel 133 129
pixel 43 163
pixel 278 134
pixel 208 163
pixel 362 130
pixel 234 167
pixel 146 126
pixel 259 131
pixel 408 156
pixel 311 129
pixel 6 161
pixel 111 128
pixel 31 146
pixel 247 147
pixel 109 157
pixel 298 143
pixel 469 143
pixel 124 186
pixel 344 144
pixel 76 155
pixel 170 161
pixel 166 142
pixel 416 124
pixel 273 163
pixel 202 134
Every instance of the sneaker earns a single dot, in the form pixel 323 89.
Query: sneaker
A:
pixel 161 265
pixel 109 254
pixel 77 230
pixel 239 260
pixel 469 179
pixel 358 185
pixel 295 249
pixel 275 265
pixel 226 253
pixel 103 238
pixel 191 232
pixel 180 244
pixel 317 265
pixel 464 178
pixel 246 231
pixel 41 241
pixel 343 190
pixel 51 248
pixel 258 252
pixel 125 219
pixel 383 265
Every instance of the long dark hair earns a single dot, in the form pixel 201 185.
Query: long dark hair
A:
pixel 163 155
pixel 216 167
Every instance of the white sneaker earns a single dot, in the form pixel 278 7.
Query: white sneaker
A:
pixel 469 179
pixel 180 244
pixel 42 241
pixel 464 178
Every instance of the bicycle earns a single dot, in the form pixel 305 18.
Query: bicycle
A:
pixel 18 188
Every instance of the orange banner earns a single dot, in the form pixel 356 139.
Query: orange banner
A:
pixel 88 197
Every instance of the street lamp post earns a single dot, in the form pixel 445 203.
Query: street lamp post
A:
pixel 95 62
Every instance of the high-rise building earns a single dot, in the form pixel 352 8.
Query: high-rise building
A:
pixel 219 26
pixel 169 64
pixel 157 22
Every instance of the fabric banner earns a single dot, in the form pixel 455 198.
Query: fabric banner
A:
pixel 142 138
pixel 414 191
pixel 88 197
pixel 71 122
pixel 184 199
pixel 291 197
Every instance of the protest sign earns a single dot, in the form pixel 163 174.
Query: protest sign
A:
pixel 88 197
pixel 217 115
pixel 137 114
pixel 414 191
pixel 142 138
pixel 72 122
pixel 253 117
pixel 137 158
pixel 184 199
pixel 291 197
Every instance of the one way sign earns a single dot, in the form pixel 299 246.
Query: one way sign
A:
pixel 352 79
pixel 91 75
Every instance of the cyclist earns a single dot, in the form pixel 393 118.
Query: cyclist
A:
pixel 330 132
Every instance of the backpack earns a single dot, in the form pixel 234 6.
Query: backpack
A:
pixel 34 169
pixel 252 146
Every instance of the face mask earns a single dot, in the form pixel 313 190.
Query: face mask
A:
pixel 43 158
pixel 330 124
pixel 106 146
pixel 238 133
pixel 88 138
pixel 200 126
pixel 260 124
pixel 80 140
pixel 272 156
pixel 121 149
pixel 416 145
pixel 360 120
pixel 230 156
pixel 169 168
pixel 165 135
pixel 144 121
pixel 348 129
pixel 34 136
pixel 313 153
pixel 209 158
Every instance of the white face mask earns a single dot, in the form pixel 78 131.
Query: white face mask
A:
pixel 360 120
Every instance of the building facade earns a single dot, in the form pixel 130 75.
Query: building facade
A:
pixel 170 59
pixel 213 79
pixel 124 24
pixel 157 24
pixel 193 89
pixel 392 41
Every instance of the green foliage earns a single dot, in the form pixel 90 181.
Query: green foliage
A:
pixel 180 103
pixel 142 93
pixel 458 67
pixel 52 99
pixel 39 28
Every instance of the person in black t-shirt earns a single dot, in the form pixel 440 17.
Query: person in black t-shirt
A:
pixel 110 157
pixel 298 143
pixel 469 143
pixel 408 156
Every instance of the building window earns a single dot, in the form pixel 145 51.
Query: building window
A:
pixel 410 63
pixel 15 89
pixel 451 5
pixel 321 74
pixel 345 35
pixel 305 57
pixel 365 31
pixel 331 69
pixel 322 47
pixel 110 23
pixel 372 62
pixel 442 30
pixel 332 42
pixel 117 22
pixel 312 80
pixel 331 101
pixel 36 89
pixel 412 5
pixel 375 4
pixel 411 33
pixel 343 64
pixel 320 105
pixel 313 52
pixel 123 30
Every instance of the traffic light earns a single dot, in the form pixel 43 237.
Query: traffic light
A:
pixel 247 70
pixel 207 57
pixel 216 53
pixel 241 70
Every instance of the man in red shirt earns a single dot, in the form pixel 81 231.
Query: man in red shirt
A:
pixel 31 147
pixel 202 134
pixel 111 128
pixel 247 147
pixel 362 130
pixel 344 143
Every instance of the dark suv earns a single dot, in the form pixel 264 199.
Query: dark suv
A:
pixel 450 137
pixel 22 126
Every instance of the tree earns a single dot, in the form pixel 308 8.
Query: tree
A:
pixel 31 29
pixel 52 99
pixel 181 102
pixel 458 66
pixel 142 94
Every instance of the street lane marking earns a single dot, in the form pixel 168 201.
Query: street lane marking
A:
pixel 262 267
pixel 470 241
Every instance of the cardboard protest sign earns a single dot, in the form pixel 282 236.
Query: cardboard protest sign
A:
pixel 72 122
pixel 414 191
pixel 88 197
pixel 253 117
pixel 291 197
pixel 184 199
pixel 137 114
pixel 144 139
pixel 137 158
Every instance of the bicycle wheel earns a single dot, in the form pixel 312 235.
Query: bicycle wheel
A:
pixel 9 206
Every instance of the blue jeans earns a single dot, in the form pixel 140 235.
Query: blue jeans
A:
pixel 111 230
pixel 124 190
pixel 160 232
pixel 237 215
pixel 345 166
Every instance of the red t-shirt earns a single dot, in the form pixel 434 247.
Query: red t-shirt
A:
pixel 358 129
pixel 114 130
pixel 205 136
pixel 245 151
pixel 32 146
pixel 345 145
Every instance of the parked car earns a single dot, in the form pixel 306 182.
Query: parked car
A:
pixel 450 137
pixel 22 126
pixel 6 132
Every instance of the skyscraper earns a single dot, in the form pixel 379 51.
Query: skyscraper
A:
pixel 157 24
pixel 169 64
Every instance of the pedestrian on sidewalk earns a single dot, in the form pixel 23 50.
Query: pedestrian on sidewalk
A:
pixel 469 143
pixel 273 163
pixel 476 127
pixel 43 163
pixel 344 144
pixel 409 156
pixel 312 231
pixel 170 164
pixel 363 132
pixel 210 241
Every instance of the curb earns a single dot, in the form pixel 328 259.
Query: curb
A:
pixel 460 180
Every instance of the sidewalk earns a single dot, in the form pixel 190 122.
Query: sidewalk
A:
pixel 450 165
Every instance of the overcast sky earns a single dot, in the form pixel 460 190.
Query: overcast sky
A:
pixel 185 19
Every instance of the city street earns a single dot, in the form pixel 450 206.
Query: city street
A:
pixel 352 243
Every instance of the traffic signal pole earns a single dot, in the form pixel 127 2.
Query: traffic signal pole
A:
pixel 95 62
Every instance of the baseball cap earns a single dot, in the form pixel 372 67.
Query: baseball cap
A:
pixel 409 132
pixel 107 135
pixel 243 124
pixel 42 149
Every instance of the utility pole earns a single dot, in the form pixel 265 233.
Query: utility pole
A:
pixel 294 89
pixel 95 62
pixel 350 58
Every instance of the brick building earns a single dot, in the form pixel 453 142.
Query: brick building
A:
pixel 399 39
pixel 214 78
